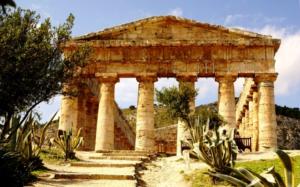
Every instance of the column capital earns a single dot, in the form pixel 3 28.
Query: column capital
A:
pixel 253 88
pixel 249 98
pixel 70 89
pixel 187 77
pixel 265 77
pixel 225 77
pixel 107 77
pixel 146 77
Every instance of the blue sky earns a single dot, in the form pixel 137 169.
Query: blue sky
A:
pixel 278 18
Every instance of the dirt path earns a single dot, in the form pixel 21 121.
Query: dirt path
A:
pixel 168 172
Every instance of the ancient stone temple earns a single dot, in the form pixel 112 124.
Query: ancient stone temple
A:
pixel 168 46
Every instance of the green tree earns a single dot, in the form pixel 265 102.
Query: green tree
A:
pixel 5 3
pixel 177 101
pixel 32 66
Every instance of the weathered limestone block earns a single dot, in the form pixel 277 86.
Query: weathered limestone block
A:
pixel 166 139
pixel 89 121
pixel 250 119
pixel 105 121
pixel 247 133
pixel 242 128
pixel 145 140
pixel 255 120
pixel 226 98
pixel 266 112
pixel 68 109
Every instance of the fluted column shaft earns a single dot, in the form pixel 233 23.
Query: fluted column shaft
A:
pixel 181 125
pixel 68 109
pixel 250 121
pixel 105 120
pixel 247 133
pixel 145 139
pixel 266 112
pixel 242 131
pixel 226 99
pixel 255 120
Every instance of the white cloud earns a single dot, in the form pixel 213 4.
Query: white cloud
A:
pixel 251 19
pixel 176 12
pixel 40 10
pixel 126 92
pixel 287 59
pixel 229 19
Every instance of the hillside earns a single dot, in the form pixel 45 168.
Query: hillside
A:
pixel 288 121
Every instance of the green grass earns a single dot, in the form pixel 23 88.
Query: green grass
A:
pixel 261 165
pixel 54 156
pixel 40 172
pixel 200 179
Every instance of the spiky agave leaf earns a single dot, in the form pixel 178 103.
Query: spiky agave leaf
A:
pixel 262 180
pixel 288 167
pixel 228 178
pixel 277 177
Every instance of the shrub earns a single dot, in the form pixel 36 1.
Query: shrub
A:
pixel 15 171
pixel 245 177
pixel 68 143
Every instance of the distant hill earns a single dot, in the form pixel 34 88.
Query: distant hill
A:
pixel 288 112
pixel 288 122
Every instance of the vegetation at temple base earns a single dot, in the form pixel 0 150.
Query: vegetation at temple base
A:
pixel 32 66
pixel 32 70
pixel 208 143
pixel 68 143
pixel 217 148
pixel 200 179
pixel 15 170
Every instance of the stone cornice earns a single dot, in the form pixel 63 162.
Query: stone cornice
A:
pixel 107 77
pixel 146 77
pixel 160 42
pixel 226 77
pixel 187 77
pixel 265 77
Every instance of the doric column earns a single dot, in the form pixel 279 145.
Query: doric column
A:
pixel 255 119
pixel 226 98
pixel 188 81
pixel 145 139
pixel 250 119
pixel 242 131
pixel 68 109
pixel 105 121
pixel 247 133
pixel 266 111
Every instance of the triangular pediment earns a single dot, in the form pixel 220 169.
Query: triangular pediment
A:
pixel 172 29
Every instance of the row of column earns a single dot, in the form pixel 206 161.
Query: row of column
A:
pixel 258 119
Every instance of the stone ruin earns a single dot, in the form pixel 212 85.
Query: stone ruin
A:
pixel 164 47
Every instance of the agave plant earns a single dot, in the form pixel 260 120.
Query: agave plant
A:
pixel 217 149
pixel 68 143
pixel 26 140
pixel 245 177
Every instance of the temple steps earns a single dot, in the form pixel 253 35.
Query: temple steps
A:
pixel 108 168
pixel 123 151
pixel 125 154
pixel 101 164
pixel 85 182
pixel 92 176
pixel 138 158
